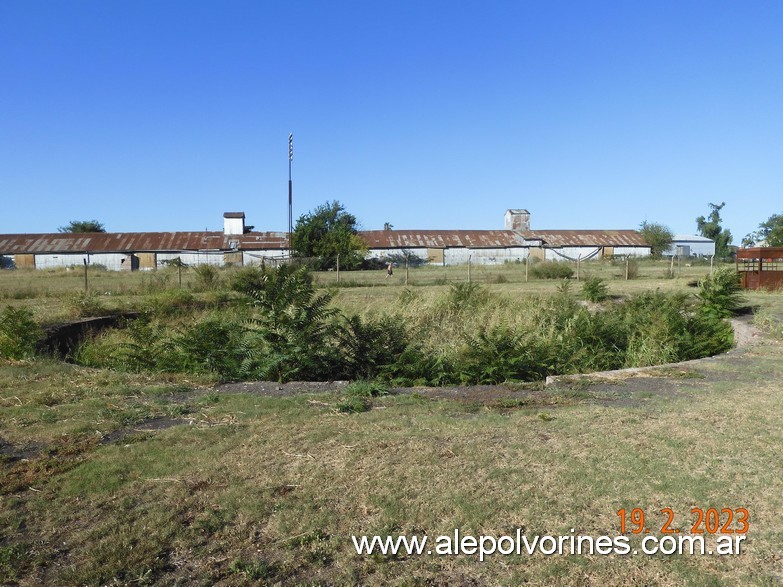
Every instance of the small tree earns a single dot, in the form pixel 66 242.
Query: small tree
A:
pixel 770 233
pixel 658 236
pixel 82 226
pixel 711 228
pixel 325 233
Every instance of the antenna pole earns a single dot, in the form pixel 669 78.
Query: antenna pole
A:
pixel 290 191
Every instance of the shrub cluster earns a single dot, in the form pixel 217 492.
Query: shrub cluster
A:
pixel 19 333
pixel 552 270
pixel 721 293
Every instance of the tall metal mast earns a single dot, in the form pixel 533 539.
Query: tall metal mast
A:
pixel 290 191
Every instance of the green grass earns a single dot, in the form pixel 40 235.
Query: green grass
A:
pixel 44 290
pixel 253 490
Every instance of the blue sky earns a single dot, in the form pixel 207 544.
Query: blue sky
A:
pixel 162 115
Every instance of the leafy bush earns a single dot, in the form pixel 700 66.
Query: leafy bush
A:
pixel 368 348
pixel 210 345
pixel 632 264
pixel 247 279
pixel 466 295
pixel 769 322
pixel 19 333
pixel 294 330
pixel 207 277
pixel 172 301
pixel 552 270
pixel 366 388
pixel 354 404
pixel 290 331
pixel 86 305
pixel 721 293
pixel 595 289
pixel 357 396
pixel 564 287
pixel 501 354
pixel 664 328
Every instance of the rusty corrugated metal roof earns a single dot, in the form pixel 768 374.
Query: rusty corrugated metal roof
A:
pixel 588 238
pixel 120 242
pixel 11 244
pixel 390 239
pixel 760 253
pixel 439 239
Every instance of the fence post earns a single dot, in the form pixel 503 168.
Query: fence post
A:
pixel 711 258
pixel 578 263
pixel 406 269
pixel 527 264
pixel 179 271
pixel 626 268
pixel 338 267
pixel 86 288
pixel 671 268
pixel 469 256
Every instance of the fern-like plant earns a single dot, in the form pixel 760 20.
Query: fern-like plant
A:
pixel 720 294
pixel 595 289
pixel 293 330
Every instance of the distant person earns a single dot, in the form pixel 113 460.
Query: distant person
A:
pixel 389 270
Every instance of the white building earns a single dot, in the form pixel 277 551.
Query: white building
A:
pixel 689 245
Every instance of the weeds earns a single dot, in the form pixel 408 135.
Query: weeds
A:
pixel 595 289
pixel 85 305
pixel 19 333
pixel 288 330
pixel 552 270
pixel 721 293
pixel 207 277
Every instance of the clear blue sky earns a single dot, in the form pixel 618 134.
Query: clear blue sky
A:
pixel 162 115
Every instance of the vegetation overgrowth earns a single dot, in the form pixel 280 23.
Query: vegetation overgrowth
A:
pixel 284 328
pixel 113 477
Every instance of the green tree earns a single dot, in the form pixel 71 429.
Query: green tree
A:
pixel 82 226
pixel 711 228
pixel 658 236
pixel 769 232
pixel 325 233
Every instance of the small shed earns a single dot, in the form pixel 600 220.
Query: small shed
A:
pixel 760 267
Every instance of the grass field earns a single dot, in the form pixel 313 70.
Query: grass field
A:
pixel 128 479
pixel 59 294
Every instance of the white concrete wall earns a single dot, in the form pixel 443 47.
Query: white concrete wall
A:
pixel 255 257
pixel 572 253
pixel 632 251
pixel 49 261
pixel 194 258
pixel 591 253
pixel 419 252
pixel 460 256
pixel 112 261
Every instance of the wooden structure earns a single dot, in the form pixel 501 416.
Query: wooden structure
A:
pixel 761 267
